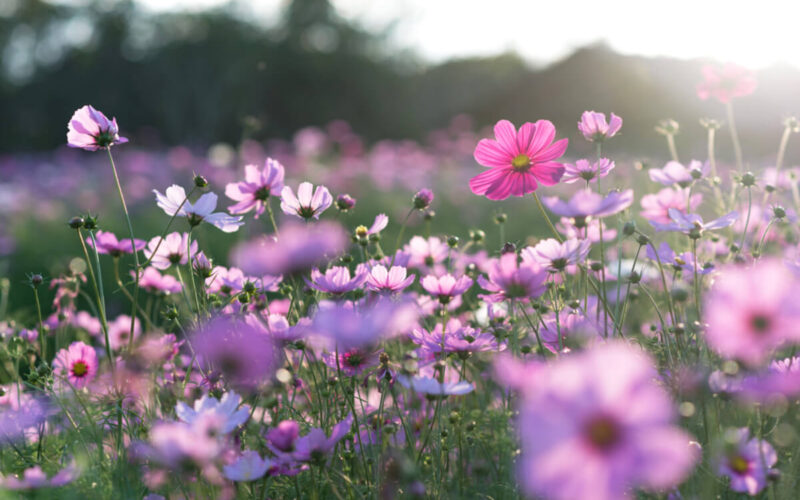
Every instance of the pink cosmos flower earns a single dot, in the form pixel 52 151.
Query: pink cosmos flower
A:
pixel 177 445
pixel 446 287
pixel 255 190
pixel 752 311
pixel 155 282
pixel 343 327
pixel 432 387
pixel 458 338
pixel 171 251
pixel 675 173
pixel 586 203
pixel 89 129
pixel 723 83
pixel 336 280
pixel 588 229
pixel 510 280
pixel 231 415
pixel 556 256
pixel 687 223
pixel 747 463
pixel 422 199
pixel 594 127
pixel 425 253
pixel 602 409
pixel 119 332
pixel 308 203
pixel 392 281
pixel 655 207
pixel 107 243
pixel 76 364
pixel 518 160
pixel 247 467
pixel 352 361
pixel 35 478
pixel 316 446
pixel 174 202
pixel 586 170
pixel 684 261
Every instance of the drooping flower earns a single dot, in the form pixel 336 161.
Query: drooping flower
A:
pixel 227 409
pixel 172 250
pixel 258 185
pixel 89 129
pixel 107 243
pixel 509 280
pixel 392 281
pixel 446 287
pixel 587 171
pixel 752 311
pixel 693 223
pixel 336 280
pixel 308 203
pixel 76 364
pixel 249 466
pixel 556 256
pixel 298 247
pixel 594 127
pixel 603 409
pixel 588 229
pixel 174 202
pixel 518 160
pixel 586 203
pixel 723 83
pixel 675 173
pixel 655 207
pixel 747 462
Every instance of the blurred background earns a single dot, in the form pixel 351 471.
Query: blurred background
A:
pixel 373 98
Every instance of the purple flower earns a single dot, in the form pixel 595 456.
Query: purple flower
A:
pixel 89 129
pixel 227 410
pixel 335 281
pixel 594 127
pixel 344 327
pixel 510 280
pixel 315 446
pixel 345 202
pixel 684 261
pixel 655 207
pixel 255 190
pixel 747 462
pixel 283 437
pixel 247 467
pixel 35 478
pixel 308 203
pixel 458 338
pixel 174 202
pixel 675 173
pixel 423 199
pixel 107 243
pixel 693 223
pixel 172 250
pixel 586 170
pixel 392 281
pixel 352 361
pixel 298 247
pixel 586 203
pixel 603 409
pixel 556 256
pixel 432 386
pixel 446 287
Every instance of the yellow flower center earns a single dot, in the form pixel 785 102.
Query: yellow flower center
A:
pixel 80 369
pixel 521 162
pixel 739 464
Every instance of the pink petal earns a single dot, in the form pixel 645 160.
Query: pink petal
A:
pixel 556 150
pixel 490 154
pixel 548 173
pixel 544 135
pixel 507 136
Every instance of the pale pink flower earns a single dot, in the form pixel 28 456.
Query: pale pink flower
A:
pixel 594 127
pixel 258 185
pixel 175 203
pixel 655 207
pixel 89 129
pixel 723 83
pixel 76 364
pixel 308 203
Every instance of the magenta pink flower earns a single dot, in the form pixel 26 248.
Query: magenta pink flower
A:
pixel 393 280
pixel 108 243
pixel 309 202
pixel 336 280
pixel 76 364
pixel 509 280
pixel 655 207
pixel 352 361
pixel 594 127
pixel 752 311
pixel 518 160
pixel 446 287
pixel 723 83
pixel 602 409
pixel 283 436
pixel 747 462
pixel 89 129
pixel 257 187
pixel 458 338
pixel 316 446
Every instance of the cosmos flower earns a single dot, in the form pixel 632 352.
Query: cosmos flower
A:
pixel 684 261
pixel 227 409
pixel 423 199
pixel 249 466
pixel 119 332
pixel 335 281
pixel 343 327
pixel 446 287
pixel 586 170
pixel 89 129
pixel 509 280
pixel 723 83
pixel 586 203
pixel 378 225
pixel 693 223
pixel 76 364
pixel 172 250
pixel 353 361
pixel 316 446
pixel 518 160
pixel 655 207
pixel 155 282
pixel 431 386
pixel 458 338
pixel 258 185
pixel 556 256
pixel 603 409
pixel 675 173
pixel 309 202
pixel 594 127
pixel 35 478
pixel 425 252
pixel 107 243
pixel 282 437
pixel 174 202
pixel 752 311
pixel 747 462
pixel 391 281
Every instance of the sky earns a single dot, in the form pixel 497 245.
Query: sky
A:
pixel 755 34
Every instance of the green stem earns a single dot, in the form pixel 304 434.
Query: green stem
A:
pixel 737 148
pixel 547 218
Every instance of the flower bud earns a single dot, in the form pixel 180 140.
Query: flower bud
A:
pixel 452 241
pixel 629 228
pixel 477 235
pixel 35 280
pixel 508 248
pixel 423 199
pixel 200 181
pixel 76 222
pixel 90 221
pixel 429 215
pixel 643 240
pixel 500 218
pixel 778 212
pixel 748 179
pixel 345 202
pixel 667 127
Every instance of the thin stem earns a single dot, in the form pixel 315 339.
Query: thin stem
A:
pixel 272 216
pixel 100 305
pixel 737 148
pixel 547 218
pixel 673 151
pixel 400 236
pixel 747 219
pixel 42 339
